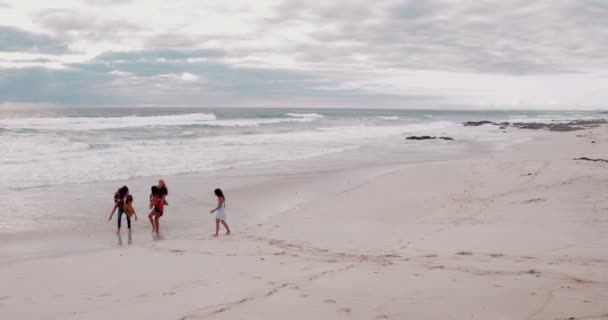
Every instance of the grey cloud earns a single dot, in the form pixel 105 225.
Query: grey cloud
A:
pixel 94 82
pixel 158 54
pixel 107 2
pixel 81 26
pixel 172 40
pixel 514 37
pixel 38 60
pixel 17 40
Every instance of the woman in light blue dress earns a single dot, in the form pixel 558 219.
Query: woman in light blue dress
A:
pixel 220 213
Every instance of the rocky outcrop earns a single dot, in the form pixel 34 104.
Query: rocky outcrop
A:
pixel 427 138
pixel 560 127
pixel 478 123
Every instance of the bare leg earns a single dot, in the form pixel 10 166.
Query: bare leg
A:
pixel 150 217
pixel 217 227
pixel 156 218
pixel 226 226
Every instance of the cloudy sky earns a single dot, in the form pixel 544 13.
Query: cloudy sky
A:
pixel 378 54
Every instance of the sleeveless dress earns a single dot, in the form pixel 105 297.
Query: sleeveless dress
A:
pixel 221 213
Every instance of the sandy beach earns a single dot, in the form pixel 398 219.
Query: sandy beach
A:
pixel 518 234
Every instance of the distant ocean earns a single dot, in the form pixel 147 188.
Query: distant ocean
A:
pixel 46 147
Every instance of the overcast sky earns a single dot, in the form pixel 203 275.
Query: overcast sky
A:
pixel 550 54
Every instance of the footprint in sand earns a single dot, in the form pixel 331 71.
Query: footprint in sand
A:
pixel 168 293
pixel 224 309
pixel 4 297
pixel 535 200
pixel 303 295
pixel 431 256
pixel 345 310
pixel 382 316
pixel 496 255
pixel 464 253
pixel 104 295
pixel 329 301
pixel 271 293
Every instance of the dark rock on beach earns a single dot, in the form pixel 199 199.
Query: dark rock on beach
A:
pixel 589 159
pixel 478 123
pixel 420 138
pixel 427 138
pixel 559 127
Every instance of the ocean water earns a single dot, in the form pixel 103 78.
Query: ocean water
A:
pixel 59 146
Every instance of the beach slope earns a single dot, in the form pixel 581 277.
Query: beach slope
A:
pixel 516 235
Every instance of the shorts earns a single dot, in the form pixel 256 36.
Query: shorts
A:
pixel 220 215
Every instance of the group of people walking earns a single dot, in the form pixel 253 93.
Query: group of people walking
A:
pixel 123 204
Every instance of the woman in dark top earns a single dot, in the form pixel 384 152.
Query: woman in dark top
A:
pixel 119 200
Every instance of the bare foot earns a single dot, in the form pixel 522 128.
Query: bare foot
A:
pixel 227 233
pixel 215 235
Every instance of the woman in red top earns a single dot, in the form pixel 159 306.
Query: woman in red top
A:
pixel 157 206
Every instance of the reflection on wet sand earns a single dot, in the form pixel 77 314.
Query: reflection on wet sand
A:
pixel 129 238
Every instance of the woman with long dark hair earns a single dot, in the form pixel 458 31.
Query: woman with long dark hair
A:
pixel 157 206
pixel 119 201
pixel 220 216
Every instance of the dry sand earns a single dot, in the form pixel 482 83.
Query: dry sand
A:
pixel 517 235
